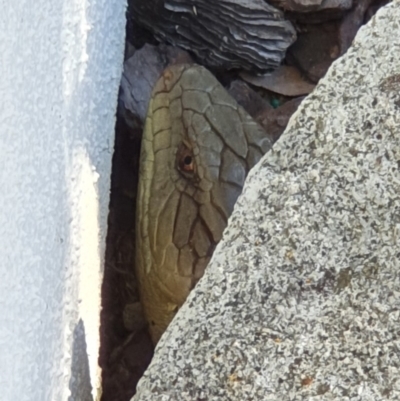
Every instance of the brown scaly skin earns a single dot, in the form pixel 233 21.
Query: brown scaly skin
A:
pixel 198 146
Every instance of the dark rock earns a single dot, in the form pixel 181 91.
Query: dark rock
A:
pixel 137 35
pixel 129 50
pixel 249 99
pixel 286 80
pixel 314 11
pixel 373 8
pixel 315 17
pixel 129 361
pixel 251 35
pixel 275 121
pixel 306 6
pixel 319 45
pixel 315 49
pixel 352 23
pixel 133 316
pixel 141 72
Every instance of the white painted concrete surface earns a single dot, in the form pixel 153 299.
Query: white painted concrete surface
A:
pixel 60 66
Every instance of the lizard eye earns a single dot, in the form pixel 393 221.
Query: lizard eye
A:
pixel 185 160
pixel 188 163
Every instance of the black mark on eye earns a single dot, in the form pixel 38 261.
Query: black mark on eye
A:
pixel 188 160
pixel 185 159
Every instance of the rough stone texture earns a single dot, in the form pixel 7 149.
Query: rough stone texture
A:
pixel 315 50
pixel 351 24
pixel 248 98
pixel 306 6
pixel 301 300
pixel 285 80
pixel 314 11
pixel 252 35
pixel 275 121
pixel 141 72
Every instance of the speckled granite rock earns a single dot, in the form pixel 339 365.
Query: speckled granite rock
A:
pixel 301 300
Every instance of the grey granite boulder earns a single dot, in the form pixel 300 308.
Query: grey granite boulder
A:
pixel 301 300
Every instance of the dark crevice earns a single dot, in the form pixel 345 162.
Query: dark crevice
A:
pixel 124 355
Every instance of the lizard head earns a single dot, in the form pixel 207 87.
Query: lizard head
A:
pixel 197 149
